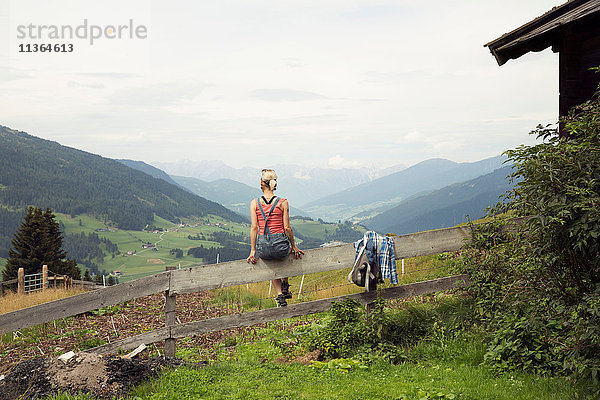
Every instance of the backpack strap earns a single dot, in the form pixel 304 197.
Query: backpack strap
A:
pixel 266 217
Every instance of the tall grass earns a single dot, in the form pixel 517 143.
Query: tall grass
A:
pixel 12 301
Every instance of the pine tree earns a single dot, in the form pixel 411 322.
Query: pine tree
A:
pixel 53 248
pixel 86 276
pixel 37 242
pixel 98 279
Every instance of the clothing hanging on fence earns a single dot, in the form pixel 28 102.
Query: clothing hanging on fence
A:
pixel 380 252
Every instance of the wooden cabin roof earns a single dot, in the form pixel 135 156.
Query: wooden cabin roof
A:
pixel 543 31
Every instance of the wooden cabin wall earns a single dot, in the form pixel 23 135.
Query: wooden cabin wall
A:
pixel 579 51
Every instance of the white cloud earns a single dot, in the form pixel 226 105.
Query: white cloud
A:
pixel 411 137
pixel 285 95
pixel 338 161
pixel 161 94
pixel 299 175
pixel 74 84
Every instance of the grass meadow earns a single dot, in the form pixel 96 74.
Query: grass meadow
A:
pixel 313 229
pixel 316 229
pixel 12 301
pixel 260 369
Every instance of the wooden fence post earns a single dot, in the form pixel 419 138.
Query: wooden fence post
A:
pixel 44 277
pixel 170 319
pixel 21 281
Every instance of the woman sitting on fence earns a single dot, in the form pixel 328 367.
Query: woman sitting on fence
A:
pixel 275 238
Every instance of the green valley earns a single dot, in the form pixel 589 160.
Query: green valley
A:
pixel 134 261
pixel 314 233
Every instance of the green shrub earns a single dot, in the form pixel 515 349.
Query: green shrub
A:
pixel 533 326
pixel 536 288
pixel 559 189
pixel 387 334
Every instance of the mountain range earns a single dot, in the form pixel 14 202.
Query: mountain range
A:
pixel 302 184
pixel 232 194
pixel 370 198
pixel 43 173
pixel 149 169
pixel 128 194
pixel 432 194
pixel 445 207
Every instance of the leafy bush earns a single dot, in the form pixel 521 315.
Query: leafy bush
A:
pixel 536 287
pixel 385 334
pixel 560 191
pixel 534 327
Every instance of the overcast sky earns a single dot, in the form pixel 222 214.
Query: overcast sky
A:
pixel 324 83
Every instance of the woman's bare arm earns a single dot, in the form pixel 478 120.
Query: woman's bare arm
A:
pixel 253 233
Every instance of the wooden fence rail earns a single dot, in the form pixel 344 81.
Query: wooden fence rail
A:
pixel 195 279
pixel 274 314
pixel 76 282
pixel 10 282
pixel 84 302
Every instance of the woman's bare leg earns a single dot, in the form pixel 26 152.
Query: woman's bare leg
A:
pixel 277 285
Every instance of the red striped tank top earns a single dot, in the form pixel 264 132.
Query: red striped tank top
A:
pixel 275 220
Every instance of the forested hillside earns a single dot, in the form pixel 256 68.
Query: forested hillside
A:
pixel 43 173
pixel 89 250
pixel 148 169
pixel 9 223
pixel 445 207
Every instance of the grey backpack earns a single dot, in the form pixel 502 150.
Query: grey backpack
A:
pixel 365 272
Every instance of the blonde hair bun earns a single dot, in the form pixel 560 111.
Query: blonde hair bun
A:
pixel 269 178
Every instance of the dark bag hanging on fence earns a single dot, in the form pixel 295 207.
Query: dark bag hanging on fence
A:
pixel 271 245
pixel 365 272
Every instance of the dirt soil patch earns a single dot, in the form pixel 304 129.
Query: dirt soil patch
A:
pixel 88 330
pixel 308 358
pixel 105 377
